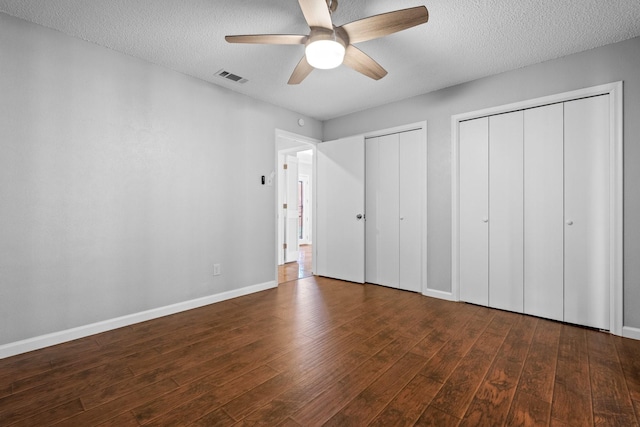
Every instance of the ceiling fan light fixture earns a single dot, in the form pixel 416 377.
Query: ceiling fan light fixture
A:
pixel 328 46
pixel 325 54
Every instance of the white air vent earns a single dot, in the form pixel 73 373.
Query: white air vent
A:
pixel 230 76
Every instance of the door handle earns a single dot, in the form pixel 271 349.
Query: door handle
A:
pixel 359 216
pixel 485 219
pixel 569 222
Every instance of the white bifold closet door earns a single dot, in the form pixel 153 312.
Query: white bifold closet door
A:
pixel 491 211
pixel 394 211
pixel 474 211
pixel 534 200
pixel 544 207
pixel 586 228
pixel 411 193
pixel 383 211
pixel 506 211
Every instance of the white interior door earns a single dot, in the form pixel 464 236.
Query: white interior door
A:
pixel 340 202
pixel 586 229
pixel 291 210
pixel 506 211
pixel 411 193
pixel 473 205
pixel 544 212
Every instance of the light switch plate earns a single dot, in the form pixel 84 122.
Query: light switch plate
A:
pixel 270 178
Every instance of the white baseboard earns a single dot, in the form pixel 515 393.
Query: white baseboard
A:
pixel 35 343
pixel 629 332
pixel 434 293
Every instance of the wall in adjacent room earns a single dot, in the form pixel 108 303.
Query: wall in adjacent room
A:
pixel 620 61
pixel 123 182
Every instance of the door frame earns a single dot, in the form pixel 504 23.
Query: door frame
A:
pixel 615 92
pixel 286 143
pixel 304 240
pixel 291 179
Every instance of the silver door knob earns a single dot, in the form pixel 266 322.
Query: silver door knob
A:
pixel 359 216
pixel 569 222
pixel 401 218
pixel 485 219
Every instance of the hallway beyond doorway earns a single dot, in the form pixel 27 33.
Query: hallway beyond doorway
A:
pixel 298 269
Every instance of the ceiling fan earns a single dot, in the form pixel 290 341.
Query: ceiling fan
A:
pixel 328 46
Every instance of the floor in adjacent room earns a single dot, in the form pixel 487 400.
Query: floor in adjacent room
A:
pixel 298 269
pixel 318 351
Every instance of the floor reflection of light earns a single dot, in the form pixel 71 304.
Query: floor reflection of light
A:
pixel 311 306
pixel 299 269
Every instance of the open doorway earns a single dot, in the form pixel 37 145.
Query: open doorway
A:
pixel 295 205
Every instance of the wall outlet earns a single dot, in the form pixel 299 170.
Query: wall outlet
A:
pixel 216 269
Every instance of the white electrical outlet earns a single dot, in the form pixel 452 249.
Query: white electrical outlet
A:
pixel 216 269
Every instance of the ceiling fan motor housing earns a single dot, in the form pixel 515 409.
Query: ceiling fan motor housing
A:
pixel 337 34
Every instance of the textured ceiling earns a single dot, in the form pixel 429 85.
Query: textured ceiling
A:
pixel 463 40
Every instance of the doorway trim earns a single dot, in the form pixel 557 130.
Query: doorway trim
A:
pixel 304 240
pixel 283 137
pixel 615 91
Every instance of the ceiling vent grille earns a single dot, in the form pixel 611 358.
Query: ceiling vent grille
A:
pixel 230 76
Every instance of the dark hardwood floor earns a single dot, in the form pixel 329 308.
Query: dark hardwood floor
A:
pixel 324 352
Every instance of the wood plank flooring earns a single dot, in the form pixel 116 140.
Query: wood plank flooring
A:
pixel 298 269
pixel 317 351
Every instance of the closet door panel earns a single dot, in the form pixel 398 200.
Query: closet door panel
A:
pixel 410 221
pixel 586 228
pixel 383 229
pixel 506 210
pixel 544 212
pixel 372 164
pixel 388 212
pixel 474 210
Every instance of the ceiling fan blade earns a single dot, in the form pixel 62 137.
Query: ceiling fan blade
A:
pixel 382 25
pixel 316 13
pixel 268 39
pixel 301 71
pixel 363 63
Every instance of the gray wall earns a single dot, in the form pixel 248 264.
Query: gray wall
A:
pixel 611 63
pixel 122 182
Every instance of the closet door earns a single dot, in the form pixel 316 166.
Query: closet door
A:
pixel 474 211
pixel 586 229
pixel 410 220
pixel 544 212
pixel 372 164
pixel 383 210
pixel 506 211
